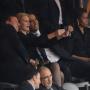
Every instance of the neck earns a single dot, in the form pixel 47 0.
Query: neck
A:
pixel 31 82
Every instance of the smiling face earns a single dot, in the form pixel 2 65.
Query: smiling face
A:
pixel 24 23
pixel 46 77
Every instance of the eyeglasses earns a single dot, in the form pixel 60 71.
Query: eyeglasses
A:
pixel 46 77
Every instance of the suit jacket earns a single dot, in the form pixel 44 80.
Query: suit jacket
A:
pixel 13 55
pixel 30 40
pixel 26 86
pixel 32 43
pixel 54 87
pixel 48 14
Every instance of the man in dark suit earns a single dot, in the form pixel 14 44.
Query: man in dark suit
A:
pixel 32 80
pixel 13 56
pixel 48 14
pixel 51 21
pixel 70 11
pixel 46 80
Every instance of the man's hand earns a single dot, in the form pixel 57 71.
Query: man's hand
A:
pixel 51 35
pixel 34 62
pixel 69 30
pixel 60 33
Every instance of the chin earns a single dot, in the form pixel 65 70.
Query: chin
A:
pixel 37 87
pixel 49 86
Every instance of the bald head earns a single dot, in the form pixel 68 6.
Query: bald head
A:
pixel 46 77
pixel 12 20
pixel 43 70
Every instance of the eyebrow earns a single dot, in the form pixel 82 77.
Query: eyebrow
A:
pixel 46 76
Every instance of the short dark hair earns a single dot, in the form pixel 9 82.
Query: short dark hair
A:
pixel 30 71
pixel 80 13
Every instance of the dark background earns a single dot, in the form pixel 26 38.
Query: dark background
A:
pixel 11 7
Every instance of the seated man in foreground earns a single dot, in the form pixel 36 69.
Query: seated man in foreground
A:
pixel 46 80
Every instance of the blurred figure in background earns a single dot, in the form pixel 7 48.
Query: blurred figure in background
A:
pixel 46 80
pixel 80 47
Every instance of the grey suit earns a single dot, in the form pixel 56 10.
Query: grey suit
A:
pixel 54 87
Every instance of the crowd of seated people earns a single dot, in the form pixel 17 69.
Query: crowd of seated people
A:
pixel 27 53
pixel 32 42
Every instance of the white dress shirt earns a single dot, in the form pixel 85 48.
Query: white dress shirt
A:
pixel 60 11
pixel 52 57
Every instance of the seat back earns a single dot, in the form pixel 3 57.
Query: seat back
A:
pixel 8 86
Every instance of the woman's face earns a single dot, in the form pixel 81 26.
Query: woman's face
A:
pixel 25 23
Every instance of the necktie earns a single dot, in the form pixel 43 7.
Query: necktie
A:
pixel 42 54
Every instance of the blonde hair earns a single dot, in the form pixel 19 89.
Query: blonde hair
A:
pixel 20 15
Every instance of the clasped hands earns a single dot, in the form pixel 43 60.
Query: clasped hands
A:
pixel 61 33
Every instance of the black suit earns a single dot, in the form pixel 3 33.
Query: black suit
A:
pixel 29 44
pixel 70 11
pixel 26 86
pixel 34 41
pixel 13 55
pixel 48 14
